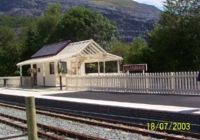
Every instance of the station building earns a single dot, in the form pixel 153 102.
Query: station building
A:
pixel 66 58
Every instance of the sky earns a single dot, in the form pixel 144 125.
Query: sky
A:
pixel 157 3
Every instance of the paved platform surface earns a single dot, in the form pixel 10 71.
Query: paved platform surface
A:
pixel 31 92
pixel 171 100
pixel 169 103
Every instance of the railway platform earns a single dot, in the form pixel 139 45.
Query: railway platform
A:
pixel 170 103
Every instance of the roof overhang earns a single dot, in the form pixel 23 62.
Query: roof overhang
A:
pixel 43 60
pixel 88 49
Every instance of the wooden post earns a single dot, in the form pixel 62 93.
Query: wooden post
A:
pixel 43 69
pixel 172 82
pixel 98 67
pixel 44 85
pixel 32 75
pixel 60 81
pixel 20 69
pixel 31 118
pixel 147 82
pixel 104 67
pixel 118 67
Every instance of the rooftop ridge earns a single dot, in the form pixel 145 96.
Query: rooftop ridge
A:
pixel 79 42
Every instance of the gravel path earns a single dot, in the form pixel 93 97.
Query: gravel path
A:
pixel 77 127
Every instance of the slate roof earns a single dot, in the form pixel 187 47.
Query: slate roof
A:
pixel 51 49
pixel 71 49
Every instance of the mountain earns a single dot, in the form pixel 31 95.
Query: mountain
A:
pixel 132 18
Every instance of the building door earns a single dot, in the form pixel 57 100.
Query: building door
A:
pixel 35 75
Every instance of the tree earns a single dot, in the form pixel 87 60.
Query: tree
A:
pixel 42 31
pixel 9 51
pixel 119 48
pixel 134 52
pixel 138 52
pixel 77 24
pixel 176 39
pixel 48 22
pixel 80 24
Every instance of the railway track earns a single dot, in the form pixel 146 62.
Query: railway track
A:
pixel 44 130
pixel 133 128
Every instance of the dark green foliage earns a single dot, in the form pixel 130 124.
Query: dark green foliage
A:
pixel 76 25
pixel 139 52
pixel 176 40
pixel 81 24
pixel 133 53
pixel 9 51
pixel 21 37
pixel 42 31
pixel 173 45
pixel 14 22
pixel 119 48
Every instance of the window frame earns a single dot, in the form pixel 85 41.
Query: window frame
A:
pixel 51 68
pixel 63 66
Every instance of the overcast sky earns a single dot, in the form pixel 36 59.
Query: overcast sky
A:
pixel 157 3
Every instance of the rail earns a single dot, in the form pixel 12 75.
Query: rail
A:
pixel 45 130
pixel 128 127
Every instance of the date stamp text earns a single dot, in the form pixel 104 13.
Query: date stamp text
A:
pixel 174 126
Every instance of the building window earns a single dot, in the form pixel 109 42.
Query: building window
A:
pixel 91 67
pixel 111 66
pixel 51 68
pixel 62 67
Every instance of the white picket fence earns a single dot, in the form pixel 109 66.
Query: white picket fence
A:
pixel 184 83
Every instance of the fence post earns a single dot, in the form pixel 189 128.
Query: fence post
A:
pixel 126 81
pixel 147 82
pixel 172 82
pixel 31 118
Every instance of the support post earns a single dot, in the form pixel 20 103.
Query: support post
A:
pixel 20 70
pixel 44 85
pixel 43 69
pixel 118 67
pixel 60 81
pixel 104 67
pixel 32 75
pixel 98 67
pixel 31 118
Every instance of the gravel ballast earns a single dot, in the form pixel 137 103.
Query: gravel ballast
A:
pixel 77 127
pixel 6 130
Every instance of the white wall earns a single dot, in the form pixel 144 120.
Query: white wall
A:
pixel 53 79
pixel 82 69
pixel 15 81
pixel 49 78
pixel 39 75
